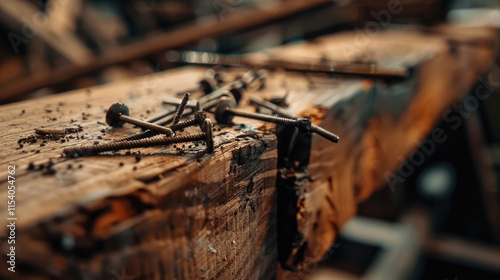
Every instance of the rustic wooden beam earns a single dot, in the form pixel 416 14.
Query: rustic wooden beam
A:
pixel 379 123
pixel 165 212
pixel 114 214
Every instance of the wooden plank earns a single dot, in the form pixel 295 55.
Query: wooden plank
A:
pixel 379 124
pixel 175 214
pixel 319 184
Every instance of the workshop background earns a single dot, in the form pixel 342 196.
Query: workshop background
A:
pixel 53 46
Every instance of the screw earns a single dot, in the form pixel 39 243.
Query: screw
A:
pixel 159 117
pixel 206 104
pixel 250 77
pixel 235 87
pixel 215 76
pixel 199 118
pixel 206 86
pixel 180 109
pixel 224 113
pixel 211 82
pixel 118 114
pixel 208 132
pixel 176 127
pixel 262 77
pixel 207 135
pixel 324 133
pixel 237 90
pixel 207 101
pixel 271 106
pixel 283 113
pixel 115 146
pixel 176 102
pixel 215 95
pixel 150 133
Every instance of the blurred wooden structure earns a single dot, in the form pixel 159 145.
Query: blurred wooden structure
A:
pixel 66 44
pixel 82 61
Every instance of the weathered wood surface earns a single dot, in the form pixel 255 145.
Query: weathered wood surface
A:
pixel 318 185
pixel 379 123
pixel 175 214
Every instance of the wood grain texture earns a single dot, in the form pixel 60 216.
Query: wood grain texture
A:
pixel 174 214
pixel 379 123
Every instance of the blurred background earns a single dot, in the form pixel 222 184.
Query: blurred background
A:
pixel 52 46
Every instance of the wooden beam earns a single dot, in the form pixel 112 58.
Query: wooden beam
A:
pixel 379 124
pixel 161 213
pixel 318 184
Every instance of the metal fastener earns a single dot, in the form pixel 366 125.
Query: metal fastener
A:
pixel 118 115
pixel 225 112
pixel 176 102
pixel 211 82
pixel 233 89
pixel 180 109
pixel 271 106
pixel 200 116
pixel 176 127
pixel 283 113
pixel 207 135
